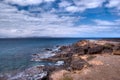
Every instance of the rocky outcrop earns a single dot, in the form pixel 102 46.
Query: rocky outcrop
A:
pixel 95 50
pixel 69 57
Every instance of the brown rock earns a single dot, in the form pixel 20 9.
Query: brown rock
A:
pixel 95 50
pixel 81 43
pixel 63 48
pixel 116 50
pixel 77 63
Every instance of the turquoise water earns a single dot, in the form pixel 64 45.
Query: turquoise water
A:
pixel 15 54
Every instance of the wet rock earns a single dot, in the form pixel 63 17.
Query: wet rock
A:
pixel 58 63
pixel 40 57
pixel 64 48
pixel 58 46
pixel 48 49
pixel 58 57
pixel 34 73
pixel 3 77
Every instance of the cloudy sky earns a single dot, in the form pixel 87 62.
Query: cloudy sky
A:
pixel 59 18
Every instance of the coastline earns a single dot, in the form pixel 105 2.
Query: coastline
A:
pixel 69 59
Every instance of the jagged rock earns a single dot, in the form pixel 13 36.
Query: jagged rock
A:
pixel 3 77
pixel 65 48
pixel 116 50
pixel 48 49
pixel 34 73
pixel 81 50
pixel 59 63
pixel 77 63
pixel 95 50
pixel 81 43
pixel 106 50
pixel 109 46
pixel 58 46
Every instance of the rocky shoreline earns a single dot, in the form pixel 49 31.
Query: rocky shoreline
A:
pixel 71 58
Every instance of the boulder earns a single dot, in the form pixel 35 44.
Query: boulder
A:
pixel 48 49
pixel 109 45
pixel 116 50
pixel 65 48
pixel 80 50
pixel 95 50
pixel 106 50
pixel 77 63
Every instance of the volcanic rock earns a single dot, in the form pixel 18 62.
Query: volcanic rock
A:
pixel 77 63
pixel 116 50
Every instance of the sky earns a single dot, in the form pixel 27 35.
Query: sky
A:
pixel 59 18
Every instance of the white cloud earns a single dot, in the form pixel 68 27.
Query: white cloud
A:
pixel 74 9
pixel 27 2
pixel 89 3
pixel 81 5
pixel 49 0
pixel 14 23
pixel 104 22
pixel 64 4
pixel 114 4
pixel 107 23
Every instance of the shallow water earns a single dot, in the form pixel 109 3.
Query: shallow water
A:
pixel 15 54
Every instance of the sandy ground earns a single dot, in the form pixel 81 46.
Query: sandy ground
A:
pixel 104 67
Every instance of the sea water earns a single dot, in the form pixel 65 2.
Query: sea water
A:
pixel 15 53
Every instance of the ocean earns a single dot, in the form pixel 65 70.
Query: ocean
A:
pixel 15 54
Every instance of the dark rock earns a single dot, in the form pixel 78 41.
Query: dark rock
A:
pixel 48 49
pixel 3 78
pixel 107 51
pixel 58 57
pixel 57 46
pixel 81 43
pixel 77 63
pixel 108 46
pixel 116 50
pixel 80 50
pixel 95 50
pixel 33 73
pixel 116 47
pixel 64 48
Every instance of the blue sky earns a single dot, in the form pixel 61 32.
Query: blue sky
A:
pixel 59 18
